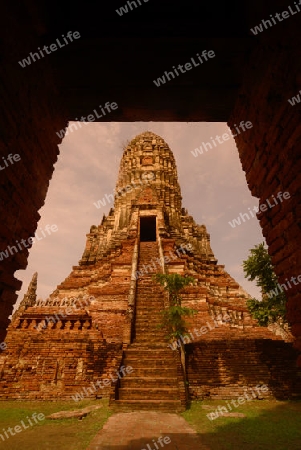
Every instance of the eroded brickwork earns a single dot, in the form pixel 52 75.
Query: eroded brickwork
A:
pixel 106 312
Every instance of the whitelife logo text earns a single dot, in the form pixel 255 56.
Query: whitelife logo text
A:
pixel 53 47
pixel 184 67
pixel 262 208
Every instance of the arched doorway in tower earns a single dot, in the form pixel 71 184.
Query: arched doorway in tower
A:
pixel 148 229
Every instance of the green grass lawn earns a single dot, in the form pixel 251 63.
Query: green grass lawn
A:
pixel 268 425
pixel 65 434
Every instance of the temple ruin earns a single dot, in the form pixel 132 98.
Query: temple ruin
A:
pixel 252 78
pixel 102 319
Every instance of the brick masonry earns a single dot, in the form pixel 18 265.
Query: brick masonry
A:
pixel 104 313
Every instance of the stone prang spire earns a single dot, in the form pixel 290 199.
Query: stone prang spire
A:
pixel 147 196
pixel 29 298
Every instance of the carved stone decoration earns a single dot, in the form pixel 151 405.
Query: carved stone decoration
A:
pixel 24 324
pixel 68 325
pixel 147 160
pixel 77 325
pixel 33 325
pixel 86 324
pixel 59 325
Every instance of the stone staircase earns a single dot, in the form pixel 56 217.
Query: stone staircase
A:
pixel 156 381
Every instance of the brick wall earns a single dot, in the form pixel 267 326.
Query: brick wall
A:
pixel 221 369
pixel 56 364
pixel 270 151
pixel 31 114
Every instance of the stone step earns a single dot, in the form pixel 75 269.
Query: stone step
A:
pixel 149 263
pixel 144 290
pixel 147 319
pixel 149 308
pixel 148 327
pixel 148 287
pixel 142 328
pixel 134 359
pixel 147 282
pixel 147 303
pixel 150 334
pixel 148 351
pixel 151 327
pixel 147 363
pixel 148 394
pixel 152 405
pixel 147 253
pixel 145 382
pixel 148 279
pixel 150 257
pixel 148 342
pixel 155 372
pixel 145 316
pixel 149 338
pixel 154 345
pixel 153 382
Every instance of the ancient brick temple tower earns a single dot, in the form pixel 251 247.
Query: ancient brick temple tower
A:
pixel 105 314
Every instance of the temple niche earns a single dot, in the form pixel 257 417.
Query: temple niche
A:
pixel 105 313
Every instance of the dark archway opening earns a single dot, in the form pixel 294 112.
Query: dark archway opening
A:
pixel 148 229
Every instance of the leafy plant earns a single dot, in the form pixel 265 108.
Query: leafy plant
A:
pixel 172 316
pixel 272 307
pixel 173 322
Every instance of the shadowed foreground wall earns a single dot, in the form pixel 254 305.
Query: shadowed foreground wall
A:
pixel 271 155
pixel 30 111
pixel 33 109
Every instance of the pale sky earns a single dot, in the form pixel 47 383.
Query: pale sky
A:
pixel 213 186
